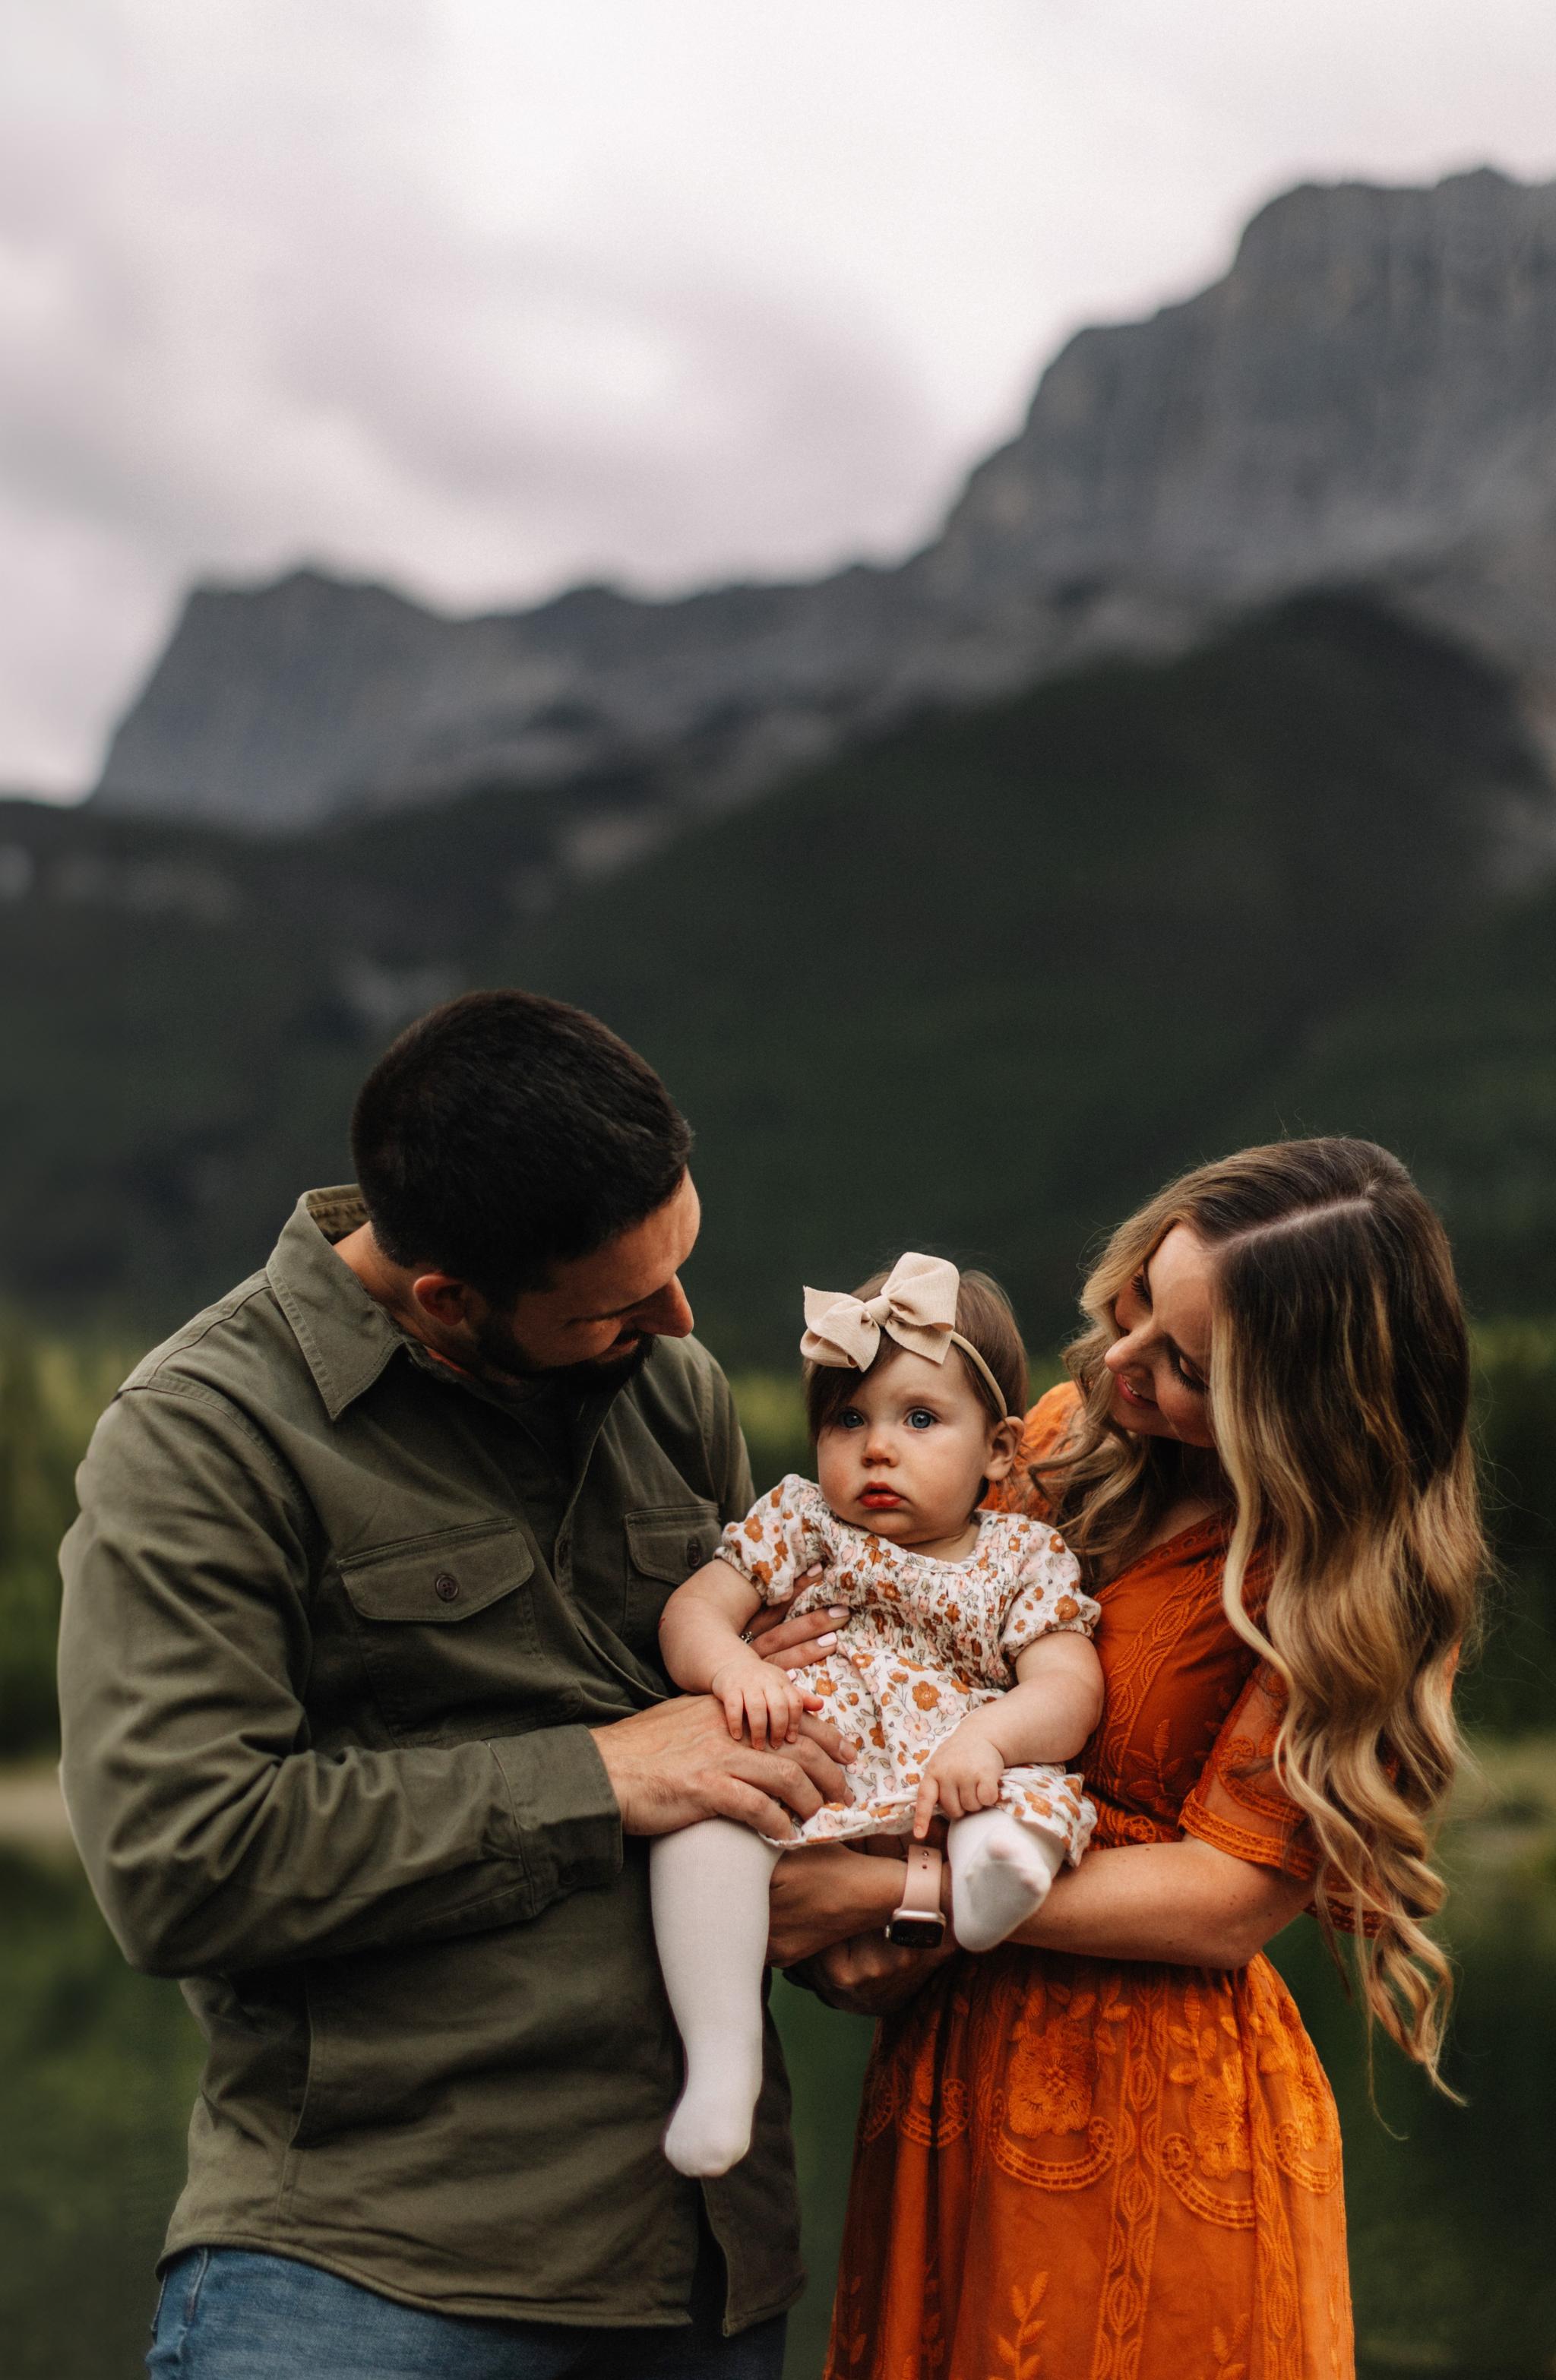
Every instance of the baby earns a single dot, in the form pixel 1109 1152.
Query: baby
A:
pixel 963 1675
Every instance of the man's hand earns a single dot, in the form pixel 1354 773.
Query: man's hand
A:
pixel 674 1764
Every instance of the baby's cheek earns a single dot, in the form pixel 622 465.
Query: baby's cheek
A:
pixel 831 1468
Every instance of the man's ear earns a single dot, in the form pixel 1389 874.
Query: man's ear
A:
pixel 444 1299
pixel 1004 1445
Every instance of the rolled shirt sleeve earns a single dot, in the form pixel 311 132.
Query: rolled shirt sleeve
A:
pixel 215 1837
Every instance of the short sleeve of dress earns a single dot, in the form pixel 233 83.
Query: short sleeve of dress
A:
pixel 780 1536
pixel 1237 1803
pixel 1048 1593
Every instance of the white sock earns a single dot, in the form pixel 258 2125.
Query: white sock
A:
pixel 1000 1870
pixel 709 1889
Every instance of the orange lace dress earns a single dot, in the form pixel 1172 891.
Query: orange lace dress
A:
pixel 1076 2168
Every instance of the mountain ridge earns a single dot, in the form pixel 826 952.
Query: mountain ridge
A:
pixel 1363 397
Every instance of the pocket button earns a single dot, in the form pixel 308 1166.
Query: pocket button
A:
pixel 694 1553
pixel 445 1586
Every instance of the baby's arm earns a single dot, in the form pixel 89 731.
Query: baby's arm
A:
pixel 1047 1715
pixel 704 1651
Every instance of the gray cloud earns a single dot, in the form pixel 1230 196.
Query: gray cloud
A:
pixel 485 300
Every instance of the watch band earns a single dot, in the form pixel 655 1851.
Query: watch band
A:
pixel 920 1906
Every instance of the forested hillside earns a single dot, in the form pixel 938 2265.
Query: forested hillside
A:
pixel 987 982
pixel 978 986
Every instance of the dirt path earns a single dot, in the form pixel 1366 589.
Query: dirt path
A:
pixel 31 1809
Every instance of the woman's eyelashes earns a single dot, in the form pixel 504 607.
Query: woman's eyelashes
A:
pixel 1141 1287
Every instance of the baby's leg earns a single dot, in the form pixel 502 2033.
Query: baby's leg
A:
pixel 708 1888
pixel 1000 1870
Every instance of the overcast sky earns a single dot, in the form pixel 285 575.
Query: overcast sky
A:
pixel 486 295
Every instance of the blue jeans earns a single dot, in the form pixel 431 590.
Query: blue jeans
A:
pixel 226 2313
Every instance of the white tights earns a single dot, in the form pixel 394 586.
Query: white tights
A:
pixel 709 1886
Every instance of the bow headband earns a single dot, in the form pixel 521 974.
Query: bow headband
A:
pixel 916 1306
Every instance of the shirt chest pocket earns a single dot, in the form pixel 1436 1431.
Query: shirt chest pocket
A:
pixel 445 1627
pixel 664 1543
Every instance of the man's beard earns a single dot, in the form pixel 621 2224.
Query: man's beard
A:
pixel 502 1363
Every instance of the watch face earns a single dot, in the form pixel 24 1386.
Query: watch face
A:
pixel 915 1933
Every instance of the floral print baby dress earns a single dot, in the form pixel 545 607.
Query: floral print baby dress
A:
pixel 925 1642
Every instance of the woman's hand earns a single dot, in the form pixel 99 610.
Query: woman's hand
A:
pixel 868 1975
pixel 825 1893
pixel 793 1644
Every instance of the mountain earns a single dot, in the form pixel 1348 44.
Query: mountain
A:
pixel 1365 398
pixel 977 983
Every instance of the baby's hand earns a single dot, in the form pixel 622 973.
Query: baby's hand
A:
pixel 963 1775
pixel 761 1701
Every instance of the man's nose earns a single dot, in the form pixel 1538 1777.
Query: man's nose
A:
pixel 667 1314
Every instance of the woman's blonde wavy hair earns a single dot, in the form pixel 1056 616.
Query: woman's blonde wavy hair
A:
pixel 1338 1402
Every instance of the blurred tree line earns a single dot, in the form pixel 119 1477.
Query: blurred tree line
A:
pixel 51 1393
pixel 52 1390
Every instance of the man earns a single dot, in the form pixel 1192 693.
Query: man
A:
pixel 364 1725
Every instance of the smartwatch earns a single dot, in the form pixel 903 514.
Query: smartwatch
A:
pixel 918 1922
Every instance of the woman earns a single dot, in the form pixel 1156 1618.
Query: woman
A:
pixel 1111 2150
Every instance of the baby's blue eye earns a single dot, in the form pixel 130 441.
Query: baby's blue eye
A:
pixel 850 1418
pixel 921 1419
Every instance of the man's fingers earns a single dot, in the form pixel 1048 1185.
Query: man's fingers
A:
pixel 829 1775
pixel 782 1775
pixel 748 1806
pixel 827 1738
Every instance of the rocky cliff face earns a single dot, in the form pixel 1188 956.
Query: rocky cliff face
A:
pixel 1370 396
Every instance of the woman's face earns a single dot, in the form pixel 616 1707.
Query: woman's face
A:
pixel 1160 1362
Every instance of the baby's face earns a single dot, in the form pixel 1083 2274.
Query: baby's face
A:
pixel 903 1457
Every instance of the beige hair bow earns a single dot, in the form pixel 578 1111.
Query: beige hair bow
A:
pixel 916 1306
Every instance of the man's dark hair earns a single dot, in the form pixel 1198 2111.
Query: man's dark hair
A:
pixel 505 1134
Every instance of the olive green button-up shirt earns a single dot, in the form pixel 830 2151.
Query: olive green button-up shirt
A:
pixel 326 1697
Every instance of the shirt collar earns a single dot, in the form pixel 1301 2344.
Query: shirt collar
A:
pixel 348 1339
pixel 345 1336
